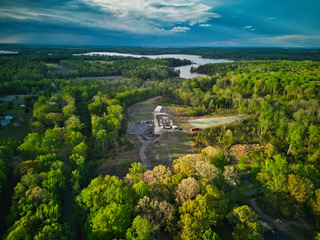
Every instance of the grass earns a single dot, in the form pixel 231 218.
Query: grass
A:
pixel 16 133
pixel 170 146
pixel 125 164
pixel 52 65
pixel 16 99
pixel 142 112
pixel 141 117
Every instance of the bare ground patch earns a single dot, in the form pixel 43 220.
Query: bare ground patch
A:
pixel 237 151
pixel 212 122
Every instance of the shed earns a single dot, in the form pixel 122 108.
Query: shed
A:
pixel 5 122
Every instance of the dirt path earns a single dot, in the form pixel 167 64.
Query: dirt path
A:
pixel 144 160
pixel 260 212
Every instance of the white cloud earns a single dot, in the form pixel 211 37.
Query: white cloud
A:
pixel 179 29
pixel 285 40
pixel 224 43
pixel 205 25
pixel 145 15
pixel 133 16
pixel 247 27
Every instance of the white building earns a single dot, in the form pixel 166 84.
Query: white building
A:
pixel 158 109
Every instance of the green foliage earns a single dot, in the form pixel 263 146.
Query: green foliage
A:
pixel 141 229
pixel 246 223
pixel 32 146
pixel 210 235
pixel 54 231
pixel 109 222
pixel 137 168
pixel 280 100
pixel 199 214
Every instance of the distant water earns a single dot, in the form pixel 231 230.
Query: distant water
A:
pixel 7 52
pixel 184 70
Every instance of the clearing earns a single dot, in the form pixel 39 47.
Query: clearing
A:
pixel 56 67
pixel 171 144
pixel 19 116
pixel 156 147
pixel 120 165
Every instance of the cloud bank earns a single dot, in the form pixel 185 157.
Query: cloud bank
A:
pixel 132 16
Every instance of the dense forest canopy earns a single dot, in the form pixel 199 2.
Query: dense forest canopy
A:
pixel 239 54
pixel 75 122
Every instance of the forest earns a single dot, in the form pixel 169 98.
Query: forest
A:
pixel 76 121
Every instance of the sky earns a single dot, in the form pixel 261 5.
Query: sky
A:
pixel 162 23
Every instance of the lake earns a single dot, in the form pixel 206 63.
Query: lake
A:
pixel 184 70
pixel 7 52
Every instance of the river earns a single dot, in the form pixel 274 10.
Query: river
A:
pixel 184 70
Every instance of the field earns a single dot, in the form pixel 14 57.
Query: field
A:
pixel 212 122
pixel 142 111
pixel 56 67
pixel 16 99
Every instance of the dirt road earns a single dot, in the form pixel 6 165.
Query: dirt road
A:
pixel 144 160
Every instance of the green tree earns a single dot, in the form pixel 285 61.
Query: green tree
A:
pixel 109 222
pixel 210 235
pixel 54 231
pixel 204 211
pixel 141 229
pixel 246 223
pixel 32 146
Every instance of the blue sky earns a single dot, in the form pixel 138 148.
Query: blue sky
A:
pixel 162 23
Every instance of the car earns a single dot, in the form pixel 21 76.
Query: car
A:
pixel 130 130
pixel 150 125
pixel 180 128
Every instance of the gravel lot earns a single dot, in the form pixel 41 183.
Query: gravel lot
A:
pixel 142 128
